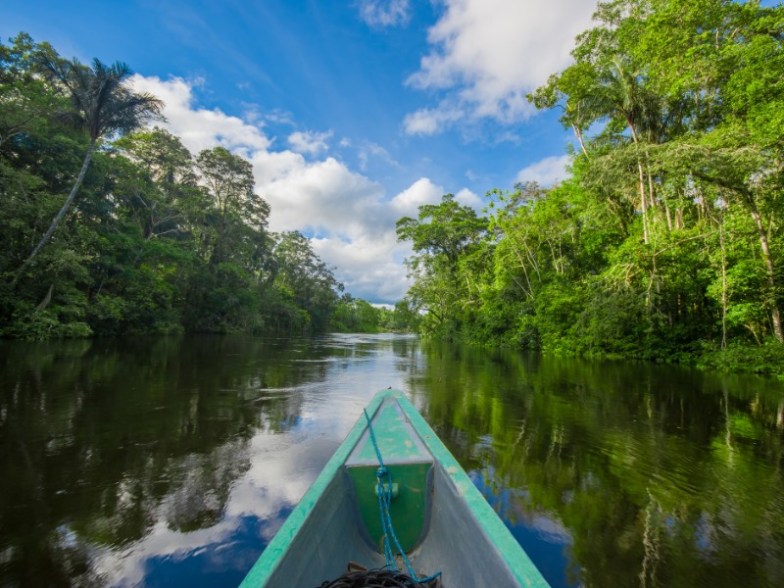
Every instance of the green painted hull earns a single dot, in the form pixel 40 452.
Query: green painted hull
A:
pixel 442 520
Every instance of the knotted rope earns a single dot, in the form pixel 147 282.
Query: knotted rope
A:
pixel 384 479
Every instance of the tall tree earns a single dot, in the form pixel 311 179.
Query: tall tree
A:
pixel 25 98
pixel 163 194
pixel 687 105
pixel 446 239
pixel 304 278
pixel 240 215
pixel 102 105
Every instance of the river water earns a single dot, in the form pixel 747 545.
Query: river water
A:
pixel 172 462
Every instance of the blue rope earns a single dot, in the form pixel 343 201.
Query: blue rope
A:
pixel 384 506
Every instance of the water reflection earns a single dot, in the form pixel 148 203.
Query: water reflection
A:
pixel 168 461
pixel 174 461
pixel 659 476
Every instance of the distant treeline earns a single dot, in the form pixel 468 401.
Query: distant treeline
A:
pixel 111 227
pixel 665 242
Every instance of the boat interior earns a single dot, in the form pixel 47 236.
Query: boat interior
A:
pixel 435 526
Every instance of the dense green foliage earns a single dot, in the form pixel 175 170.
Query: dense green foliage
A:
pixel 665 242
pixel 110 227
pixel 353 315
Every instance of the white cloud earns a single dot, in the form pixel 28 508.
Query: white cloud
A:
pixel 308 142
pixel 421 192
pixel 546 172
pixel 355 226
pixel 324 196
pixel 468 198
pixel 199 128
pixel 369 150
pixel 384 13
pixel 371 264
pixel 350 215
pixel 429 121
pixel 424 191
pixel 487 54
pixel 279 117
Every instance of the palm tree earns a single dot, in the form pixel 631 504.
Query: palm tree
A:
pixel 102 105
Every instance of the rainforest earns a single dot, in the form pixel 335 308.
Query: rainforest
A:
pixel 111 226
pixel 663 243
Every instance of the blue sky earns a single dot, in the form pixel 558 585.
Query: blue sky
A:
pixel 352 113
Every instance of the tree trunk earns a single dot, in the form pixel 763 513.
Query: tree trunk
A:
pixel 724 300
pixel 525 273
pixel 651 189
pixel 775 315
pixel 643 201
pixel 641 180
pixel 578 133
pixel 59 216
pixel 667 215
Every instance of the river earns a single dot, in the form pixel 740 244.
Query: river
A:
pixel 172 462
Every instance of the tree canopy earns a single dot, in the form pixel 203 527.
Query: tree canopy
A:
pixel 665 239
pixel 149 238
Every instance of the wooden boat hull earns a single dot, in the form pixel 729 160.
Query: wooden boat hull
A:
pixel 443 521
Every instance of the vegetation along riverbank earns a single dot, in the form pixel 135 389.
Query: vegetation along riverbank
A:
pixel 664 242
pixel 111 227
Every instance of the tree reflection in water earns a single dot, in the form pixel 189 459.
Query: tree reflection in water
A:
pixel 661 476
pixel 174 461
pixel 104 444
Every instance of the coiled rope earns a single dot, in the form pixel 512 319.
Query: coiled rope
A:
pixel 373 579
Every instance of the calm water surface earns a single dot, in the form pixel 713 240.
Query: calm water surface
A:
pixel 172 462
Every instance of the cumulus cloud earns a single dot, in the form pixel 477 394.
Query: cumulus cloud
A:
pixel 384 13
pixel 372 264
pixel 486 55
pixel 350 215
pixel 200 128
pixel 468 198
pixel 324 196
pixel 421 192
pixel 546 172
pixel 424 191
pixel 310 143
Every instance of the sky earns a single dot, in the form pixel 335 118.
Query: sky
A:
pixel 352 113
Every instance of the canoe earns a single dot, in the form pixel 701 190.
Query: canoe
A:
pixel 439 519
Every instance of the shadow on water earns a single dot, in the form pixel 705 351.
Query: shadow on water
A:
pixel 174 461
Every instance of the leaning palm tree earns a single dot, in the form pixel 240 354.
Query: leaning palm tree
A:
pixel 102 105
